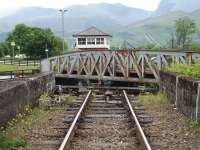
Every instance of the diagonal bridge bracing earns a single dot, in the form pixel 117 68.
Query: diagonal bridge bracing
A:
pixel 122 65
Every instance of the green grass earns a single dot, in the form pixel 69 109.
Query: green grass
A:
pixel 12 135
pixel 15 68
pixel 152 99
pixel 93 96
pixel 188 70
pixel 11 144
pixel 193 125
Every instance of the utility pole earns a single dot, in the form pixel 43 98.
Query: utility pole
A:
pixel 13 51
pixel 172 41
pixel 63 11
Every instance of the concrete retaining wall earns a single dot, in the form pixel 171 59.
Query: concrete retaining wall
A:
pixel 15 95
pixel 183 91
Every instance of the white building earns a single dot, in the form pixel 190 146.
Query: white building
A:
pixel 92 39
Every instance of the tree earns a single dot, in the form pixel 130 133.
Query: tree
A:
pixel 185 28
pixel 4 49
pixel 194 46
pixel 34 40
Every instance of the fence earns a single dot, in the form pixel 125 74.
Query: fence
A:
pixel 6 75
pixel 20 62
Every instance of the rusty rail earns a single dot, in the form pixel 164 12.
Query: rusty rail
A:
pixel 66 142
pixel 141 133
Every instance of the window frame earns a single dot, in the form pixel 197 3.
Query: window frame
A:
pixel 82 41
pixel 91 41
pixel 100 41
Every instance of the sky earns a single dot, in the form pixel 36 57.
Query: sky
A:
pixel 10 6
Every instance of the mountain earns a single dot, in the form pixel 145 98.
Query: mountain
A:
pixel 122 14
pixel 3 36
pixel 157 29
pixel 24 15
pixel 78 17
pixel 135 26
pixel 167 6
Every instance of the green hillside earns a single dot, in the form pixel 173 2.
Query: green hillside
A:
pixel 2 36
pixel 159 28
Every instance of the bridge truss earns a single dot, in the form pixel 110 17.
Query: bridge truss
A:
pixel 121 65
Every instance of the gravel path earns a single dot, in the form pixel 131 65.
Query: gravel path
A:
pixel 169 131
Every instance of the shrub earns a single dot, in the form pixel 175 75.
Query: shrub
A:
pixel 192 70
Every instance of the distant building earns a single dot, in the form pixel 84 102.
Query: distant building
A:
pixel 92 39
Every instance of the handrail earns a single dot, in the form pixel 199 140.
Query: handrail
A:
pixel 127 50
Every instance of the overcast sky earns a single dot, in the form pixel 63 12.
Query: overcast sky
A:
pixel 8 6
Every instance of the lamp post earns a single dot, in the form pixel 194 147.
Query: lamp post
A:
pixel 13 46
pixel 46 50
pixel 63 11
pixel 18 47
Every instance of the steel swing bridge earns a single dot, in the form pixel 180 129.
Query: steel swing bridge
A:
pixel 120 65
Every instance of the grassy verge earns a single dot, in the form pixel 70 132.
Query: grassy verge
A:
pixel 188 70
pixel 15 68
pixel 12 135
pixel 193 125
pixel 159 100
pixel 152 99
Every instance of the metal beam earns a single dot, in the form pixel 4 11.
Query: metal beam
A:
pixel 122 65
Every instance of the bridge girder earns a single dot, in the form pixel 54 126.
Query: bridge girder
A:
pixel 123 65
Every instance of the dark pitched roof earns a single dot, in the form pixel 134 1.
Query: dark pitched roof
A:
pixel 92 31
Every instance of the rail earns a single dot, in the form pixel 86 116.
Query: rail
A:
pixel 142 135
pixel 66 142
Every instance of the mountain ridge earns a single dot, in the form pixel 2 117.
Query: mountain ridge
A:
pixel 167 6
pixel 125 23
pixel 159 27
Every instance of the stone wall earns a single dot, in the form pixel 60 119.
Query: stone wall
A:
pixel 168 84
pixel 183 91
pixel 14 95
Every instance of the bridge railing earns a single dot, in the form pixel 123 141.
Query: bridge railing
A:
pixel 123 65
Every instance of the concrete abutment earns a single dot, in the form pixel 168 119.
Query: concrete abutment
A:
pixel 183 91
pixel 15 95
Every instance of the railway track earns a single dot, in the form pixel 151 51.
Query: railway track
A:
pixel 94 123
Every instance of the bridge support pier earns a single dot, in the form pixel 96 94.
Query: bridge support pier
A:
pixel 45 65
